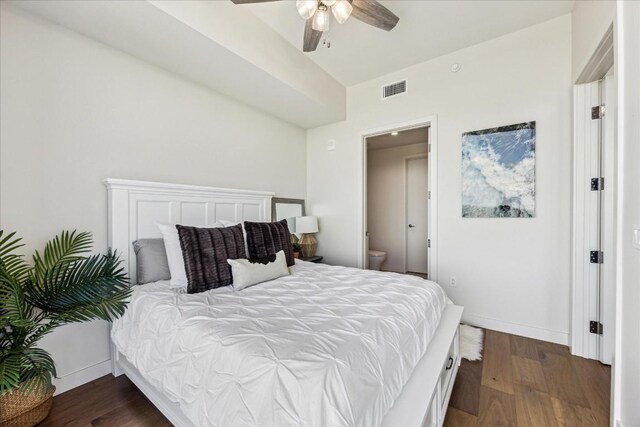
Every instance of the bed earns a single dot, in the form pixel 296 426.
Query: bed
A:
pixel 326 345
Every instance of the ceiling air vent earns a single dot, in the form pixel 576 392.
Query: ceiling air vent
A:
pixel 394 89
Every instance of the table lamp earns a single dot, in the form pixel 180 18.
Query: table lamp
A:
pixel 307 225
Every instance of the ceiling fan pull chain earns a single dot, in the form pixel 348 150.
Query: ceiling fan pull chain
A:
pixel 326 41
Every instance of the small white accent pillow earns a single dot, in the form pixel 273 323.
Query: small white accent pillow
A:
pixel 174 254
pixel 246 273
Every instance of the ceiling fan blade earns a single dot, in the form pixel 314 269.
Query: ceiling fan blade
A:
pixel 373 13
pixel 251 1
pixel 311 37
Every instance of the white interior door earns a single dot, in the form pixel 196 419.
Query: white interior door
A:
pixel 594 223
pixel 417 212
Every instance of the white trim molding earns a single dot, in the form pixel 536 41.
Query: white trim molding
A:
pixel 601 61
pixel 549 335
pixel 83 376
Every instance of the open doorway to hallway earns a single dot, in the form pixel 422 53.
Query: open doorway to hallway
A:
pixel 397 201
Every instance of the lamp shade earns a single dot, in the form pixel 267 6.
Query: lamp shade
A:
pixel 306 224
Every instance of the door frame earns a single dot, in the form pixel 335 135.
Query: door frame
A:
pixel 361 215
pixel 405 202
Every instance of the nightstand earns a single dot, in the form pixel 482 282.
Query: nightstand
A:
pixel 316 259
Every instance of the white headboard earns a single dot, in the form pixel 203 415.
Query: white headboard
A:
pixel 135 207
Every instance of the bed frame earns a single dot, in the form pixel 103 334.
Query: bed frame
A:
pixel 136 206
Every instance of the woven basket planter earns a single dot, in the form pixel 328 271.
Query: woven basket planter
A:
pixel 19 409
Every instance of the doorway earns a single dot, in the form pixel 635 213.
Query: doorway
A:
pixel 396 200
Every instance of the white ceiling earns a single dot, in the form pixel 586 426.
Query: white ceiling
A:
pixel 205 42
pixel 404 137
pixel 427 29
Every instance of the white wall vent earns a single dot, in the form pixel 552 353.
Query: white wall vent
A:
pixel 394 89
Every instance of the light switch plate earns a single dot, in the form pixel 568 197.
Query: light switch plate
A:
pixel 331 145
pixel 636 236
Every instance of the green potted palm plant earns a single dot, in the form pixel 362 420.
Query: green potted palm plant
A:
pixel 60 286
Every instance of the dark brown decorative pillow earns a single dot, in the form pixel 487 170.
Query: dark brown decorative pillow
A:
pixel 265 239
pixel 205 252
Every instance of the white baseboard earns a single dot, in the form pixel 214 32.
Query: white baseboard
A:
pixel 83 376
pixel 517 329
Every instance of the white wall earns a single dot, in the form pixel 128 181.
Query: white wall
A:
pixel 386 209
pixel 589 23
pixel 512 274
pixel 74 112
pixel 626 367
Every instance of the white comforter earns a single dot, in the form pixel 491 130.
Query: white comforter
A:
pixel 327 346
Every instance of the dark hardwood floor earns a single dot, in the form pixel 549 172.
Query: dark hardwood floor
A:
pixel 519 382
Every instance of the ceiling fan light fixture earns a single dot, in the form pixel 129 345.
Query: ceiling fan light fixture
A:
pixel 307 8
pixel 329 3
pixel 342 10
pixel 321 19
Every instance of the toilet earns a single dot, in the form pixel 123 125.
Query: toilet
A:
pixel 376 259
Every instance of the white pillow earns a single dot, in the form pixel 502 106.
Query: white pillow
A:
pixel 246 273
pixel 174 254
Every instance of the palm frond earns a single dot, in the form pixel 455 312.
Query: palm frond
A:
pixel 40 331
pixel 8 244
pixel 10 367
pixel 12 300
pixel 86 289
pixel 13 272
pixel 65 248
pixel 13 264
pixel 37 369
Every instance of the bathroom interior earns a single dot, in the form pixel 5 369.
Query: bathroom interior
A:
pixel 397 201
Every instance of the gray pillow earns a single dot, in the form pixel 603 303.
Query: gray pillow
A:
pixel 151 260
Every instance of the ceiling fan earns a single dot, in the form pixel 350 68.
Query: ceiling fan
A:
pixel 318 16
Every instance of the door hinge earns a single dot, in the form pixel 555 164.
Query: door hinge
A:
pixel 429 195
pixel 429 148
pixel 597 112
pixel 428 243
pixel 596 257
pixel 597 184
pixel 595 327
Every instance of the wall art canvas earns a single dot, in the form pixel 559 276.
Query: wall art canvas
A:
pixel 498 172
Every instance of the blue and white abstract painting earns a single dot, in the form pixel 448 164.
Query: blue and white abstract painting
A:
pixel 498 172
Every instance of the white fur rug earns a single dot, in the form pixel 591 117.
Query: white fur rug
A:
pixel 471 342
